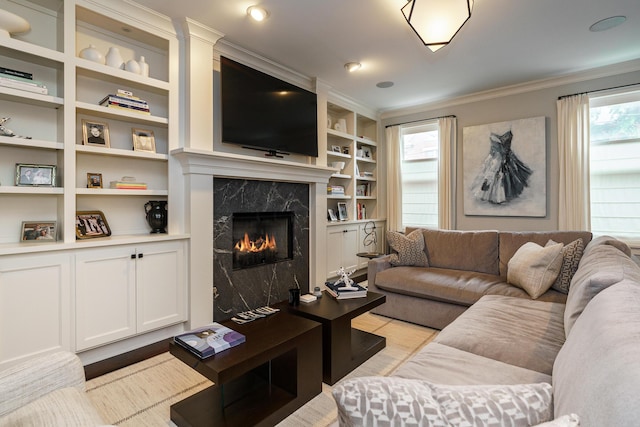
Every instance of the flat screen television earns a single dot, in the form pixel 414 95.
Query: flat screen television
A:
pixel 262 112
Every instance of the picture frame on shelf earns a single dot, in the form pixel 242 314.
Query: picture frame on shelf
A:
pixel 94 180
pixel 343 215
pixel 91 224
pixel 345 150
pixel 143 140
pixel 366 153
pixel 331 214
pixel 28 175
pixel 95 133
pixel 38 231
pixel 336 149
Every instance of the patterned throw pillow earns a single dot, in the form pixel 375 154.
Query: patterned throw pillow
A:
pixel 409 248
pixel 534 268
pixel 571 255
pixel 385 401
pixel 571 420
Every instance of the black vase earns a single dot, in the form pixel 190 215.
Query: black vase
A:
pixel 157 215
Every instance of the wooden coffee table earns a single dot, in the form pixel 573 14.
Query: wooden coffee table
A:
pixel 343 347
pixel 260 382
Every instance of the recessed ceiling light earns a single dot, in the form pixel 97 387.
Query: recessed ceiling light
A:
pixel 258 13
pixel 607 23
pixel 352 66
pixel 384 85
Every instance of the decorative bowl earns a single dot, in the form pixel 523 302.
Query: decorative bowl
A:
pixel 11 23
pixel 338 165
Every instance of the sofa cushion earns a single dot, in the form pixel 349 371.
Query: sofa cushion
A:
pixel 510 242
pixel 597 372
pixel 409 249
pixel 516 331
pixel 534 268
pixel 571 420
pixel 462 250
pixel 571 255
pixel 396 401
pixel 602 265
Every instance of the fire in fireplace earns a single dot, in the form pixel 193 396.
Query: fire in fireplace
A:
pixel 261 238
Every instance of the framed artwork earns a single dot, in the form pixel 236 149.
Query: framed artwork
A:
pixel 95 133
pixel 143 140
pixel 336 148
pixel 342 212
pixel 94 180
pixel 366 153
pixel 38 231
pixel 505 168
pixel 91 224
pixel 35 175
pixel 332 215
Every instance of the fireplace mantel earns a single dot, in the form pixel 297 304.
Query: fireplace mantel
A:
pixel 202 162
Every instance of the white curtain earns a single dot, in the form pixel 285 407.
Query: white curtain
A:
pixel 447 172
pixel 394 179
pixel 574 211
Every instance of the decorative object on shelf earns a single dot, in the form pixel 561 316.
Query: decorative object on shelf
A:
pixel 345 150
pixel 95 133
pixel 125 100
pixel 132 66
pixel 335 148
pixel 5 131
pixel 144 67
pixel 331 214
pixel 338 165
pixel 10 23
pixel 128 183
pixel 341 125
pixel 342 212
pixel 360 153
pixel 366 153
pixel 114 59
pixel 94 180
pixel 335 190
pixel 294 296
pixel 35 175
pixel 328 122
pixel 317 292
pixel 437 22
pixel 91 224
pixel 156 215
pixel 92 54
pixel 143 140
pixel 38 231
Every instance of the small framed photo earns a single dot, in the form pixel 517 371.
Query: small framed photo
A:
pixel 331 214
pixel 143 140
pixel 336 149
pixel 38 231
pixel 345 149
pixel 35 175
pixel 95 133
pixel 94 180
pixel 366 153
pixel 91 224
pixel 342 211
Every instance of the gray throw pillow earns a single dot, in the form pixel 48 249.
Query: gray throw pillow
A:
pixel 409 249
pixel 571 255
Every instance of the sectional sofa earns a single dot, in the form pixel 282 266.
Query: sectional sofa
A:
pixel 513 360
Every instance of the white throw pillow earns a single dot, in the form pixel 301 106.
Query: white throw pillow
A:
pixel 534 268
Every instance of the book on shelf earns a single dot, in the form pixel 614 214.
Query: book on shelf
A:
pixel 17 73
pixel 127 185
pixel 14 83
pixel 338 291
pixel 335 189
pixel 209 340
pixel 124 101
pixel 127 108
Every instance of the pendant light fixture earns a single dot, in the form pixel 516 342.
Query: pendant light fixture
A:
pixel 436 22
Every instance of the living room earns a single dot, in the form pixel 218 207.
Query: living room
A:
pixel 189 155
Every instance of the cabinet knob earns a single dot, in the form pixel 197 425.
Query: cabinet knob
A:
pixel 140 255
pixel 133 256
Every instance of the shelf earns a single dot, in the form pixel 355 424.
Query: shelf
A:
pixel 337 197
pixel 89 149
pixel 366 197
pixel 365 160
pixel 110 113
pixel 116 192
pixel 40 55
pixel 340 176
pixel 103 72
pixel 339 134
pixel 6 189
pixel 31 143
pixel 23 96
pixel 365 178
pixel 366 141
pixel 336 154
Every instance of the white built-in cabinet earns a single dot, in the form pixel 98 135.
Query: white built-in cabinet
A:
pixel 345 241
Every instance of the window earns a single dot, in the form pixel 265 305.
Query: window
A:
pixel 615 165
pixel 420 175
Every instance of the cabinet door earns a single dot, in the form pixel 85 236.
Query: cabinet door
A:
pixel 105 296
pixel 342 246
pixel 35 311
pixel 161 285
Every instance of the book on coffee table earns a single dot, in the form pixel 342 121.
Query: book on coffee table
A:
pixel 340 291
pixel 209 340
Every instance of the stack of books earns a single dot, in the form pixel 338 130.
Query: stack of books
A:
pixel 335 190
pixel 209 340
pixel 339 291
pixel 21 80
pixel 127 185
pixel 125 100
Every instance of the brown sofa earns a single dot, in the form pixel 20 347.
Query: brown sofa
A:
pixel 463 267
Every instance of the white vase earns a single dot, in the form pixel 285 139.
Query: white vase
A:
pixel 92 54
pixel 144 67
pixel 114 59
pixel 132 66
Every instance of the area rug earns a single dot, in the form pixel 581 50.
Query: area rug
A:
pixel 140 395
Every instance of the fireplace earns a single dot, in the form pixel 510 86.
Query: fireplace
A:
pixel 261 238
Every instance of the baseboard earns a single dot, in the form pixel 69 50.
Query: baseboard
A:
pixel 125 359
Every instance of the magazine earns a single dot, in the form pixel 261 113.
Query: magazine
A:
pixel 209 340
pixel 339 292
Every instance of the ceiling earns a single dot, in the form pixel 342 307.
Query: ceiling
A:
pixel 505 42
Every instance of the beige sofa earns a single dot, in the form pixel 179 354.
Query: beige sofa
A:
pixel 46 391
pixel 515 361
pixel 463 267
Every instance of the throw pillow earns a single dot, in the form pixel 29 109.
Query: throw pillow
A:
pixel 534 268
pixel 400 401
pixel 571 255
pixel 409 249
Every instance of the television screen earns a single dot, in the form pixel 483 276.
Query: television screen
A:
pixel 261 111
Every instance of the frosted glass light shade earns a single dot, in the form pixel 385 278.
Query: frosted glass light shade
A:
pixel 436 22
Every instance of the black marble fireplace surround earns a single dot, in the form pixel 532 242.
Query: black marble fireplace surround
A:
pixel 237 290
